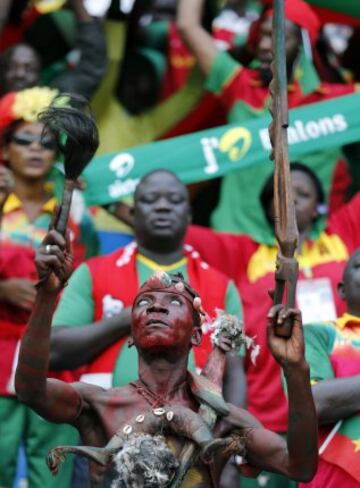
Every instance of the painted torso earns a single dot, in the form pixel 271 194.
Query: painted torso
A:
pixel 108 410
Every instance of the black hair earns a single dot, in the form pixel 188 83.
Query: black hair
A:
pixel 349 263
pixel 156 171
pixel 267 191
pixel 179 277
pixel 159 170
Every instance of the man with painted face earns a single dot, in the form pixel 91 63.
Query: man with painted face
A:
pixel 333 353
pixel 165 398
pixel 92 321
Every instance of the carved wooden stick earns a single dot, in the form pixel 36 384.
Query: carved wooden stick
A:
pixel 285 220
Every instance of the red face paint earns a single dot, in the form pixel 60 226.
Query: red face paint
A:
pixel 162 320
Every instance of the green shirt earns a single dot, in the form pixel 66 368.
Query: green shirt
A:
pixel 333 351
pixel 76 306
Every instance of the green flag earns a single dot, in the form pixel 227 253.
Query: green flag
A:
pixel 338 11
pixel 216 152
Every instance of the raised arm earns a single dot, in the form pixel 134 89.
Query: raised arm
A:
pixel 299 461
pixel 337 399
pixel 296 458
pixel 54 400
pixel 198 40
pixel 85 78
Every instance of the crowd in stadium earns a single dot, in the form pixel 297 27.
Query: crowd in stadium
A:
pixel 181 183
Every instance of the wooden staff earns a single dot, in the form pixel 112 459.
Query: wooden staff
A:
pixel 285 221
pixel 70 120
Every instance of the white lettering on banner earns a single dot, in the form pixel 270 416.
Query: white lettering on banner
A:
pixel 208 146
pixel 123 188
pixel 301 131
pixel 122 164
pixel 235 142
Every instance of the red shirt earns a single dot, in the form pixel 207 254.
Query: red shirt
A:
pixel 251 265
pixel 244 96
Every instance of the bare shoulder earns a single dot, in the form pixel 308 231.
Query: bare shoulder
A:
pixel 88 389
pixel 91 394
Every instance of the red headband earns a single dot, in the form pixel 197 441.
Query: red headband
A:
pixel 162 282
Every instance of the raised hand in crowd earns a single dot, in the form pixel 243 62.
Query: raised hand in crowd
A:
pixel 54 262
pixel 286 351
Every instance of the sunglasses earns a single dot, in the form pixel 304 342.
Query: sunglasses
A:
pixel 25 139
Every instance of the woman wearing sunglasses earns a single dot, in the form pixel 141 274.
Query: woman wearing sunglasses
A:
pixel 27 156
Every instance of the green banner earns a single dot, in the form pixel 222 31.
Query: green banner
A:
pixel 215 152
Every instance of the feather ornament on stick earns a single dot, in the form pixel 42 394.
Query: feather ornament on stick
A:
pixel 70 120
